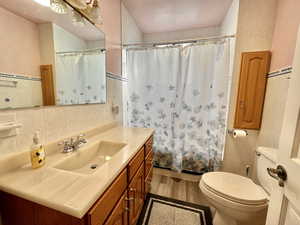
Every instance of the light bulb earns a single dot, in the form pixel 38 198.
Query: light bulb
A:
pixel 43 2
pixel 59 6
pixel 77 19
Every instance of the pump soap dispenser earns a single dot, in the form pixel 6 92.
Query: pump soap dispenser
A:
pixel 37 152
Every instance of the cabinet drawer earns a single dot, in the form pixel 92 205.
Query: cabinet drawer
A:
pixel 101 210
pixel 148 145
pixel 148 163
pixel 148 182
pixel 120 212
pixel 135 163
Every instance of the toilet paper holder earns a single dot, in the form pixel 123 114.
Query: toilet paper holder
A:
pixel 230 131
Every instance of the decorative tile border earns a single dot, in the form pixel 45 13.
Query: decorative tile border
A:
pixel 280 72
pixel 116 77
pixel 22 77
pixel 19 77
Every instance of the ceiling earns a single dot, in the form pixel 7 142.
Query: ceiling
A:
pixel 170 15
pixel 36 13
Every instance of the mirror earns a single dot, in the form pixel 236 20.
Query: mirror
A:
pixel 48 58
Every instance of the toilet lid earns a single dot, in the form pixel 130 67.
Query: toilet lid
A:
pixel 234 187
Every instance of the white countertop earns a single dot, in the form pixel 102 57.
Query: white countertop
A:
pixel 69 192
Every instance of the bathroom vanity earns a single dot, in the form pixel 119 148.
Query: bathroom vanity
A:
pixel 66 192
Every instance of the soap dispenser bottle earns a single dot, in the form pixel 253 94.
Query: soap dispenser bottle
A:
pixel 37 152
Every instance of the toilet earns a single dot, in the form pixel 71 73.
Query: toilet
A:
pixel 237 199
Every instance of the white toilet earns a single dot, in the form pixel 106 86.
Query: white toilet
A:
pixel 237 199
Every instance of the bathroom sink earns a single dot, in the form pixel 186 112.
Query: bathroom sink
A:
pixel 87 161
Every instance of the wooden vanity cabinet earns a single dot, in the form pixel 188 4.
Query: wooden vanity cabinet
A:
pixel 120 204
pixel 18 211
pixel 136 195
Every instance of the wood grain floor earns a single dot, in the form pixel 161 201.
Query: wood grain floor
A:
pixel 183 187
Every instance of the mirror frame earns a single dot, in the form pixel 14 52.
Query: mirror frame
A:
pixel 87 104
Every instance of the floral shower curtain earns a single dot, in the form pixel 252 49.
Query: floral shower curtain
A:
pixel 181 92
pixel 81 78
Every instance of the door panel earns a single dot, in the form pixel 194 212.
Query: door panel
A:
pixel 102 208
pixel 284 206
pixel 136 195
pixel 292 215
pixel 251 92
pixel 119 216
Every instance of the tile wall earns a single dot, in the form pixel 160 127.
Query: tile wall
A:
pixel 58 122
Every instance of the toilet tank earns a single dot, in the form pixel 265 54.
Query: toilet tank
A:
pixel 266 158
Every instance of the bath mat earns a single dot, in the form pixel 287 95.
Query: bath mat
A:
pixel 159 210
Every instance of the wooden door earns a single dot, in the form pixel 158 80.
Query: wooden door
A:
pixel 284 206
pixel 251 93
pixel 47 85
pixel 119 216
pixel 136 195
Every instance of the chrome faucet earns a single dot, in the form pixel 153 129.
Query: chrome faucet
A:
pixel 73 144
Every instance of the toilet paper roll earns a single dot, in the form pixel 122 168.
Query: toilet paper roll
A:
pixel 239 133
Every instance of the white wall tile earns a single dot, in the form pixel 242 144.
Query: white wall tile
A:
pixel 55 123
pixel 32 120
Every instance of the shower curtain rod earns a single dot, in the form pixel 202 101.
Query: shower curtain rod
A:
pixel 82 51
pixel 179 41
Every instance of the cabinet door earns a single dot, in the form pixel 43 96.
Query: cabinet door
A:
pixel 251 93
pixel 136 195
pixel 119 215
pixel 148 145
pixel 148 180
pixel 149 163
pixel 105 205
pixel 16 211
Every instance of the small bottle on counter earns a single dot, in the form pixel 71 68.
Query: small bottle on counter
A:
pixel 37 153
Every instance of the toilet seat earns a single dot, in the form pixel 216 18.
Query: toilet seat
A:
pixel 234 188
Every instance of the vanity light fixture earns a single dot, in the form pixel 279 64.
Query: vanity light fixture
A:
pixel 59 6
pixel 77 18
pixel 79 4
pixel 90 7
pixel 94 12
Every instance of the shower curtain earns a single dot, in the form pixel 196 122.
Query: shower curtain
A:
pixel 68 79
pixel 81 78
pixel 182 92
